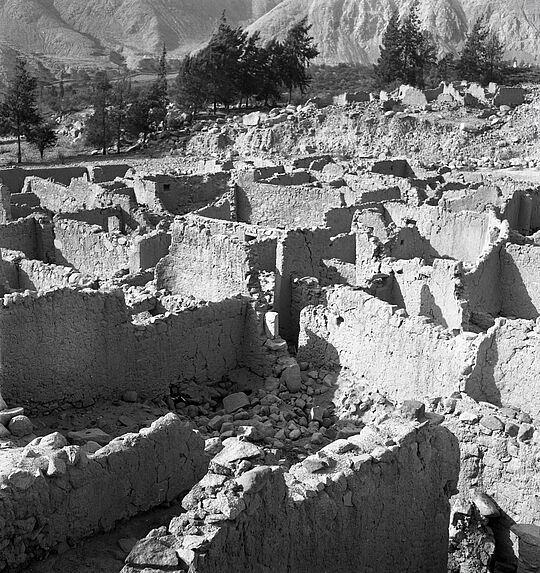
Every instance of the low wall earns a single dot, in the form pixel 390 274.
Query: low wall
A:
pixel 37 275
pixel 402 357
pixel 62 494
pixel 71 346
pixel 14 177
pixel 89 249
pixel 332 512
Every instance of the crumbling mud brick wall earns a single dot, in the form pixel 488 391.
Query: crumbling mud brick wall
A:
pixel 461 235
pixel 400 356
pixel 60 493
pixel 520 280
pixel 306 253
pixel 147 250
pixel 179 194
pixel 284 206
pixel 90 249
pixel 32 236
pixel 14 177
pixel 74 346
pixel 38 276
pixel 434 291
pixel 508 365
pixel 212 266
pixel 332 512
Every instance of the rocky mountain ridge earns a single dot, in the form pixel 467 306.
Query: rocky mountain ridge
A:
pixel 351 30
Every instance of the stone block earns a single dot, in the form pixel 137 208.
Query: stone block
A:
pixel 234 402
pixel 271 324
pixel 291 376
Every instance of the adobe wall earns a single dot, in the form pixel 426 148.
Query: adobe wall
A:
pixel 108 172
pixel 21 235
pixel 332 512
pixel 63 493
pixel 284 206
pixel 434 291
pixel 520 280
pixel 179 194
pixel 461 235
pixel 399 356
pixel 70 346
pixel 148 250
pixel 37 275
pixel 209 264
pixel 14 177
pixel 89 249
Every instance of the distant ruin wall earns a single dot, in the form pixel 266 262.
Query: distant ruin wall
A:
pixel 63 494
pixel 179 194
pixel 332 512
pixel 285 205
pixel 403 357
pixel 89 249
pixel 14 177
pixel 70 346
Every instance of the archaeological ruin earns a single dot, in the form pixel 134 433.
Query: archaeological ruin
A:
pixel 319 355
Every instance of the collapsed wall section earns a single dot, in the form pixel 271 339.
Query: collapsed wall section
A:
pixel 60 493
pixel 332 512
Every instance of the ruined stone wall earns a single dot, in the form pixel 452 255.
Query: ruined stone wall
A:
pixel 332 512
pixel 179 194
pixel 71 346
pixel 37 275
pixel 21 235
pixel 461 235
pixel 90 249
pixel 433 291
pixel 520 280
pixel 403 357
pixel 509 357
pixel 210 264
pixel 284 206
pixel 148 250
pixel 77 493
pixel 14 177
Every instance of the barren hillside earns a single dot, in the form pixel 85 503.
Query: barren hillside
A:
pixel 350 30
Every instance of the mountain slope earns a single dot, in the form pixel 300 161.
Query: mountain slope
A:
pixel 83 30
pixel 351 30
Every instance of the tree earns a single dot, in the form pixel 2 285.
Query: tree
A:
pixel 139 115
pixel 119 109
pixel 298 51
pixel 192 84
pixel 418 52
pixel 19 109
pixel 159 92
pixel 220 62
pixel 43 137
pixel 251 68
pixel 272 72
pixel 98 129
pixel 389 65
pixel 482 54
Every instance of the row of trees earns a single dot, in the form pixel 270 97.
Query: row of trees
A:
pixel 408 54
pixel 235 67
pixel 119 110
pixel 20 116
